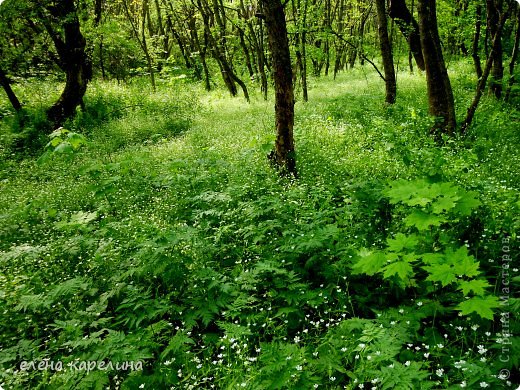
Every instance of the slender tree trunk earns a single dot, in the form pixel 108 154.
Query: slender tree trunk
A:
pixel 202 51
pixel 514 57
pixel 141 39
pixel 162 31
pixel 283 154
pixel 408 26
pixel 476 39
pixel 494 7
pixel 386 52
pixel 73 60
pixel 440 95
pixel 481 85
pixel 327 25
pixel 4 81
pixel 410 54
pixel 340 47
pixel 303 43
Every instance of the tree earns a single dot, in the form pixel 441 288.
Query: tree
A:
pixel 4 82
pixel 440 95
pixel 481 85
pixel 494 8
pixel 61 21
pixel 283 154
pixel 408 26
pixel 386 52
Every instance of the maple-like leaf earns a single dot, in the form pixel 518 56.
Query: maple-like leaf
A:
pixel 370 263
pixel 443 273
pixel 402 269
pixel 483 306
pixel 423 221
pixel 476 285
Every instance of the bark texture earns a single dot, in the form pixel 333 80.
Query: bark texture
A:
pixel 408 26
pixel 4 82
pixel 386 53
pixel 283 86
pixel 440 96
pixel 73 60
pixel 493 8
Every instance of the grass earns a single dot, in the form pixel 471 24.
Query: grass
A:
pixel 168 239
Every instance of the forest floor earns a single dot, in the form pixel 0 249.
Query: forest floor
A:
pixel 156 231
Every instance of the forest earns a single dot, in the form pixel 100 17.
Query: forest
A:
pixel 259 194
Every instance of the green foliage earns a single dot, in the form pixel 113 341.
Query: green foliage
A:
pixel 169 240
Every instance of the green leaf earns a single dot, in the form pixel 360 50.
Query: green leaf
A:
pixel 422 220
pixel 463 264
pixel 433 258
pixel 444 204
pixel 64 147
pixel 483 306
pixel 477 286
pixel 467 203
pixel 402 241
pixel 443 273
pixel 76 140
pixel 401 190
pixel 402 269
pixel 370 263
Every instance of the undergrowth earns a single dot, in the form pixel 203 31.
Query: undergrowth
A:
pixel 164 239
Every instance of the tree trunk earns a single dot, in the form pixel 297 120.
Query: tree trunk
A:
pixel 410 54
pixel 408 26
pixel 476 39
pixel 440 95
pixel 481 85
pixel 514 57
pixel 283 154
pixel 4 81
pixel 162 31
pixel 386 53
pixel 494 7
pixel 142 39
pixel 73 61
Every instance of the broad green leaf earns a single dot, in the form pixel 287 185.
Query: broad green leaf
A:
pixel 64 147
pixel 443 273
pixel 401 190
pixel 477 286
pixel 444 204
pixel 370 263
pixel 422 220
pixel 462 262
pixel 483 306
pixel 467 203
pixel 433 258
pixel 400 268
pixel 76 140
pixel 402 241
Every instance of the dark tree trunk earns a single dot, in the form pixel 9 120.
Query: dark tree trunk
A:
pixel 410 54
pixel 73 60
pixel 476 39
pixel 440 95
pixel 493 8
pixel 162 31
pixel 481 85
pixel 407 24
pixel 299 42
pixel 514 57
pixel 142 38
pixel 218 50
pixel 201 50
pixel 283 154
pixel 4 81
pixel 386 52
